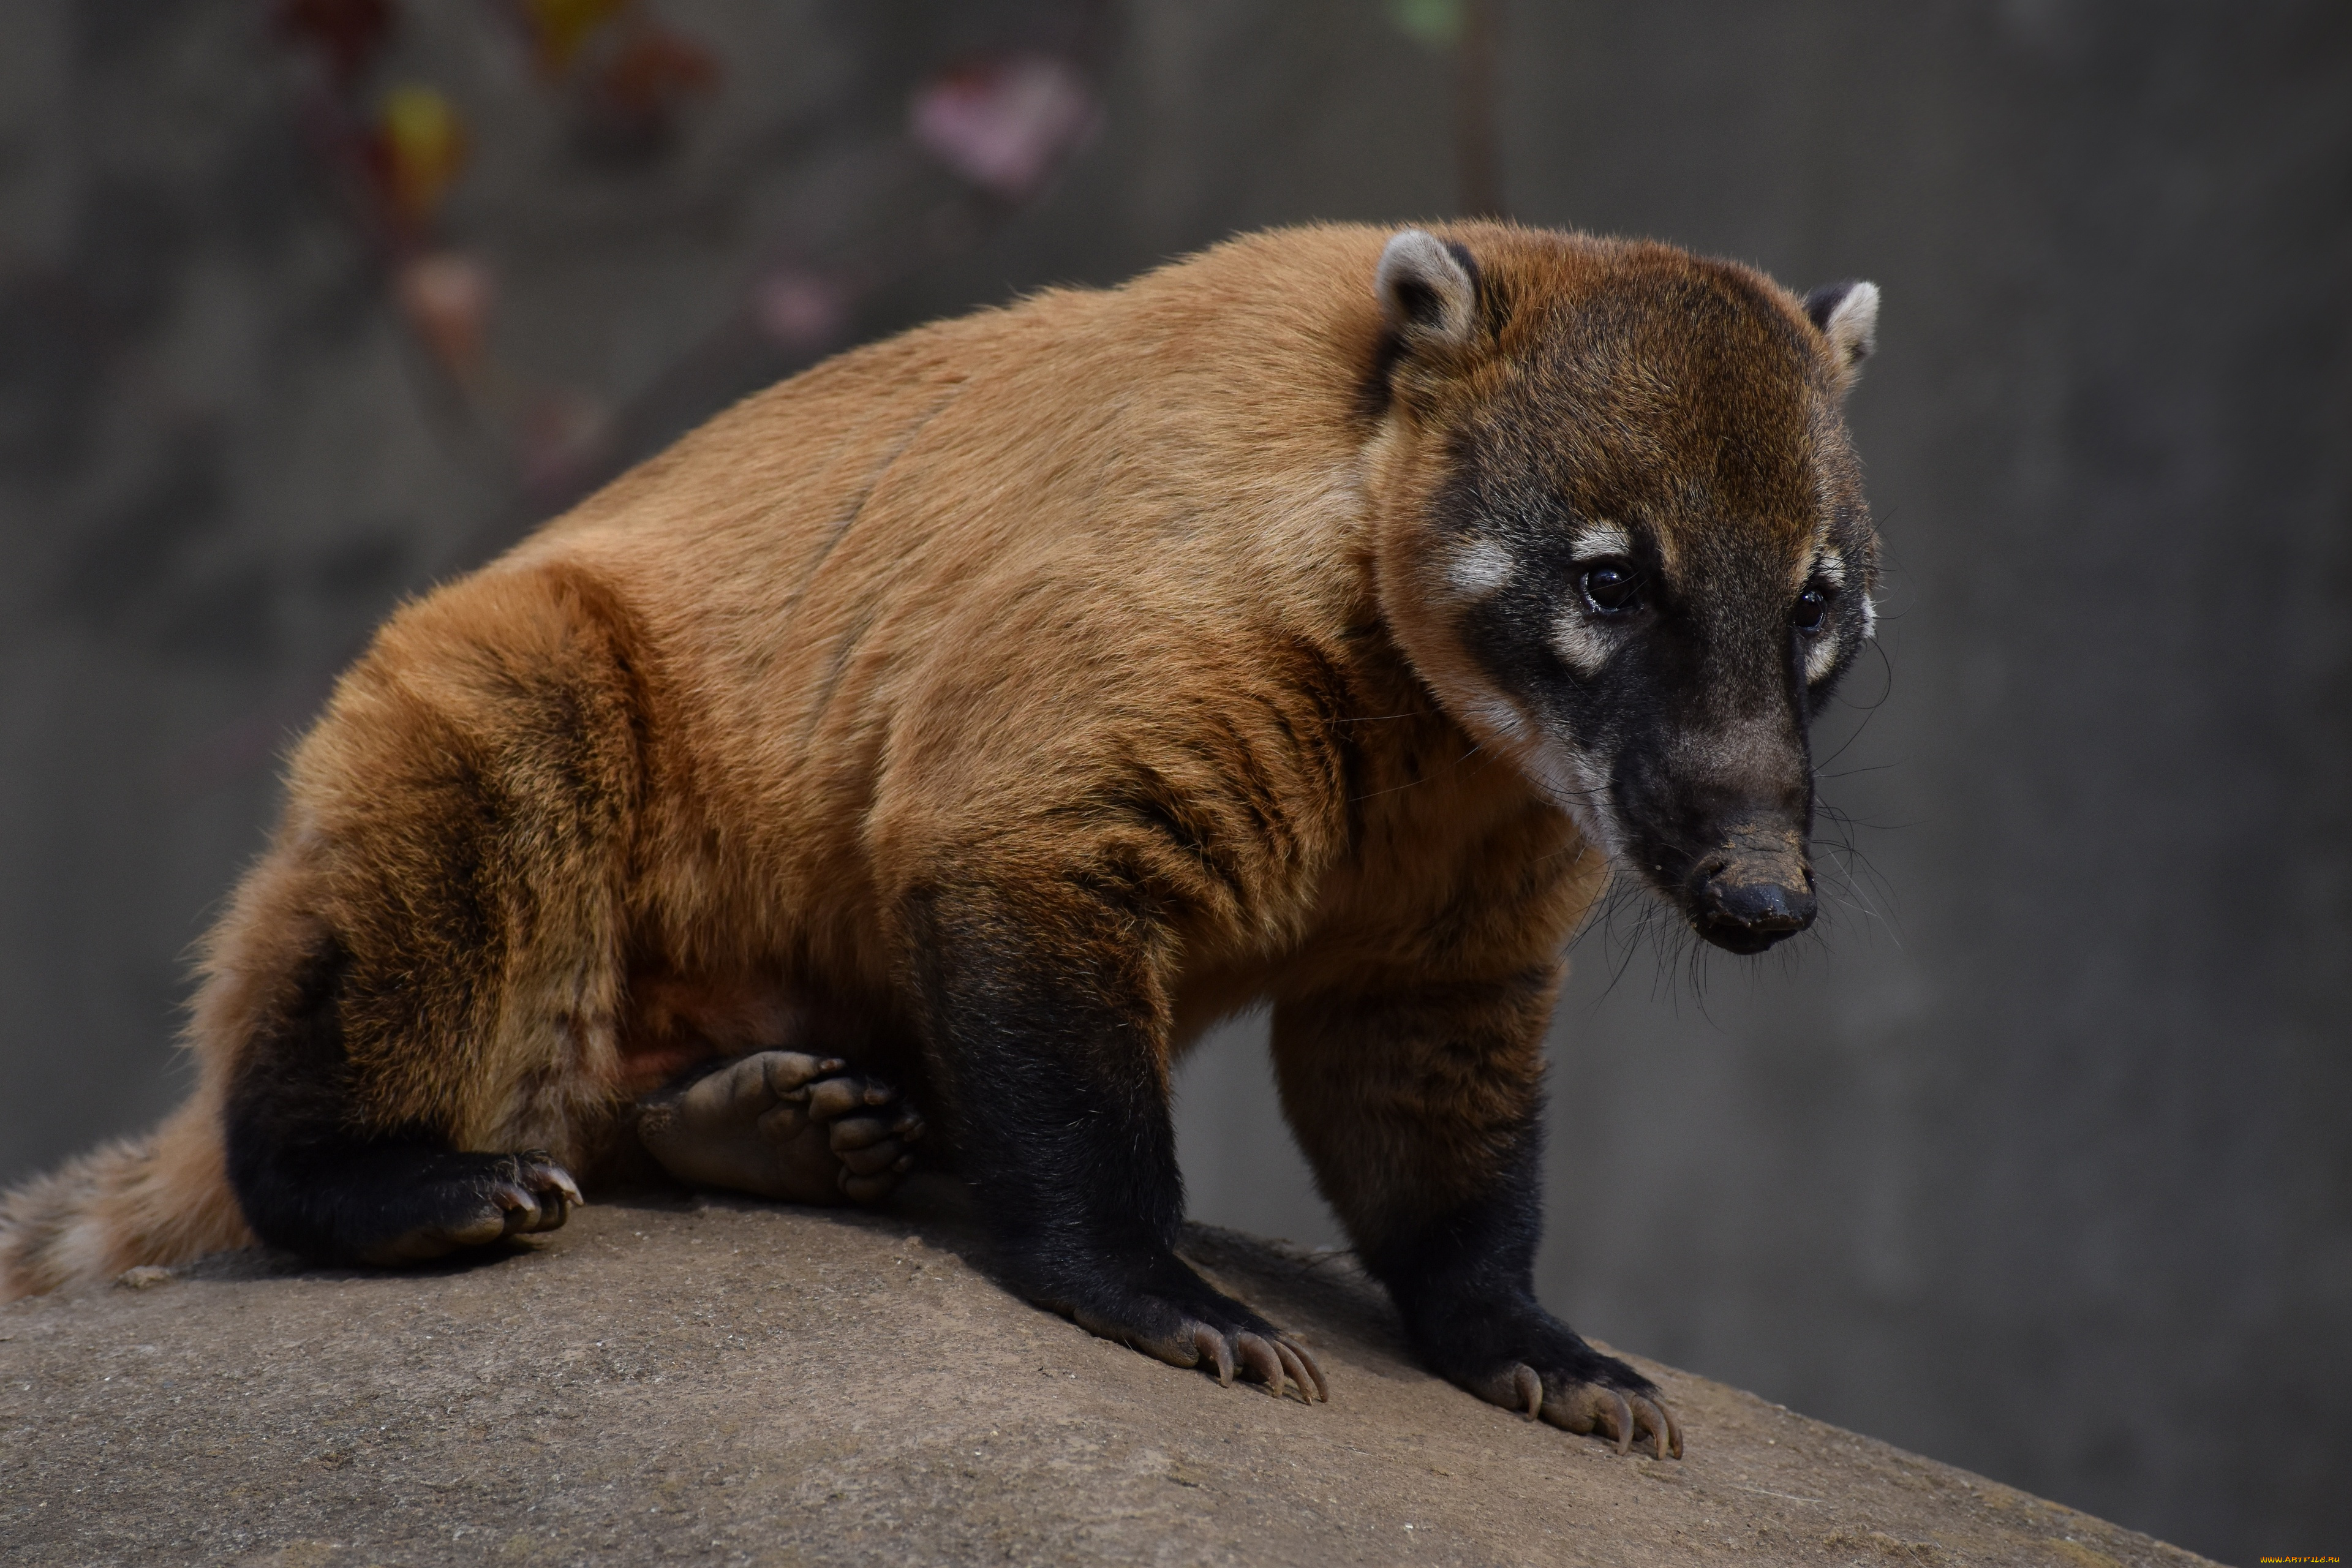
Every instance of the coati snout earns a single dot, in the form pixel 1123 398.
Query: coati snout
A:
pixel 1652 558
pixel 1716 817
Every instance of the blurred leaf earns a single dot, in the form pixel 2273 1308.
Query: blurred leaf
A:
pixel 446 297
pixel 349 33
pixel 799 309
pixel 420 146
pixel 559 28
pixel 1003 124
pixel 633 96
pixel 1437 23
pixel 564 430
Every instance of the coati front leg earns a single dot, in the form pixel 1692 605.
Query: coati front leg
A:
pixel 1420 1106
pixel 784 1125
pixel 1048 1018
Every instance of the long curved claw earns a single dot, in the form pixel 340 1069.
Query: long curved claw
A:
pixel 1584 1408
pixel 517 1210
pixel 1294 1370
pixel 1212 1347
pixel 1259 1357
pixel 537 1196
pixel 1303 1371
pixel 1649 1423
pixel 1515 1387
pixel 1654 1420
pixel 1621 1416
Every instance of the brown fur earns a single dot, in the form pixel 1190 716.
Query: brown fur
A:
pixel 1123 589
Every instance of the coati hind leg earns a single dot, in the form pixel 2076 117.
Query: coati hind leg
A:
pixel 410 1003
pixel 316 1174
pixel 1420 1106
pixel 1048 1017
pixel 783 1124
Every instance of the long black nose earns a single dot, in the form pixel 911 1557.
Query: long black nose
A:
pixel 1745 905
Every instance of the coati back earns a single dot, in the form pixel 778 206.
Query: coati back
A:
pixel 1315 621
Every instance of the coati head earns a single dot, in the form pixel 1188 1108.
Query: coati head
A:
pixel 1624 539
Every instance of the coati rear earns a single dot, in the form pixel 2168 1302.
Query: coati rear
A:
pixel 1315 621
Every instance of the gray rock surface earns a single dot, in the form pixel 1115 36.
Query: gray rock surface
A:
pixel 718 1381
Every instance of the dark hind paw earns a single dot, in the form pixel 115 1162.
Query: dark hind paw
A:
pixel 1177 1318
pixel 445 1202
pixel 783 1124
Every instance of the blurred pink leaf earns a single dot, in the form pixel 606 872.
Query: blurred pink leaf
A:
pixel 1003 124
pixel 799 309
pixel 562 432
pixel 446 295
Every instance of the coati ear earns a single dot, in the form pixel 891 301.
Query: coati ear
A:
pixel 1847 315
pixel 1429 292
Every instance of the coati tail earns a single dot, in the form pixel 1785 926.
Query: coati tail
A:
pixel 163 1199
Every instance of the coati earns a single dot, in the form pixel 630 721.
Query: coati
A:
pixel 1317 621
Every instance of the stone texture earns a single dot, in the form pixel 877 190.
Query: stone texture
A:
pixel 719 1381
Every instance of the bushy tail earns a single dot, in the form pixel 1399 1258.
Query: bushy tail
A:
pixel 161 1199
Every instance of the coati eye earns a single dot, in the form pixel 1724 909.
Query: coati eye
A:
pixel 1812 609
pixel 1612 587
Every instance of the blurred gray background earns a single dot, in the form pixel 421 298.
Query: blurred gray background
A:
pixel 2037 1161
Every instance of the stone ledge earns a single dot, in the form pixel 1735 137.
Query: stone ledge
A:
pixel 713 1382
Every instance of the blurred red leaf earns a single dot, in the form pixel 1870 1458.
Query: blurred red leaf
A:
pixel 649 76
pixel 348 33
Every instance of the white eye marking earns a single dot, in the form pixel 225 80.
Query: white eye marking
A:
pixel 1481 567
pixel 1869 617
pixel 1580 643
pixel 1822 656
pixel 1598 542
pixel 1830 569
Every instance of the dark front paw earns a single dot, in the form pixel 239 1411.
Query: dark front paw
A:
pixel 1161 1308
pixel 1616 1410
pixel 1530 1361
